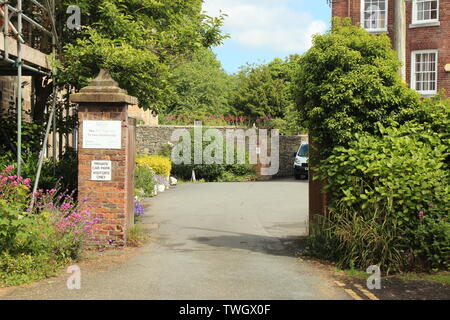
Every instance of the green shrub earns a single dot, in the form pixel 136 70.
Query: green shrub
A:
pixel 389 194
pixel 347 82
pixel 64 177
pixel 214 172
pixel 35 240
pixel 145 179
pixel 25 268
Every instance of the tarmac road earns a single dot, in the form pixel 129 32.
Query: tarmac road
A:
pixel 226 241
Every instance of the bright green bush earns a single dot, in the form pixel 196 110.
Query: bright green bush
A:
pixel 389 195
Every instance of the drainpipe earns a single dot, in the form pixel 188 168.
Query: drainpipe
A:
pixel 400 35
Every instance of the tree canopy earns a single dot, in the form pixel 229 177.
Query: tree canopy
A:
pixel 139 41
pixel 201 87
pixel 266 90
pixel 347 82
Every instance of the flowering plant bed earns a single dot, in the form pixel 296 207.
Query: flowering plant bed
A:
pixel 39 232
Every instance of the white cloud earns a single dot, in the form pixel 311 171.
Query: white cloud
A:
pixel 266 24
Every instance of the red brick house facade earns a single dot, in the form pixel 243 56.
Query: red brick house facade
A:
pixel 427 36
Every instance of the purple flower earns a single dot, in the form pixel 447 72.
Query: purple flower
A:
pixel 138 209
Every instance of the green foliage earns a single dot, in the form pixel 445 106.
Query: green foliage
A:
pixel 24 268
pixel 138 41
pixel 289 125
pixel 145 180
pixel 36 239
pixel 64 177
pixel 214 172
pixel 390 201
pixel 347 82
pixel 266 90
pixel 32 133
pixel 201 87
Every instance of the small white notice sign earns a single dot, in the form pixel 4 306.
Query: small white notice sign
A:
pixel 101 170
pixel 102 134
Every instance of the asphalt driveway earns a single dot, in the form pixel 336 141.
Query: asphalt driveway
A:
pixel 211 241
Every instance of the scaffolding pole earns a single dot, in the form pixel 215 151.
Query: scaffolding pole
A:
pixel 19 64
pixel 19 88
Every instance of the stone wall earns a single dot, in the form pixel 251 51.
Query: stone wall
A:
pixel 8 85
pixel 289 145
pixel 150 139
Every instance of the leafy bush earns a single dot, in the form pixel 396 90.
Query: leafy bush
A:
pixel 145 179
pixel 213 172
pixel 389 195
pixel 36 238
pixel 347 82
pixel 161 165
pixel 64 177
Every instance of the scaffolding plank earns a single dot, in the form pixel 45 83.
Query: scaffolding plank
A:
pixel 30 55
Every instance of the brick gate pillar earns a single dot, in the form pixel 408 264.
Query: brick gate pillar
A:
pixel 318 200
pixel 104 156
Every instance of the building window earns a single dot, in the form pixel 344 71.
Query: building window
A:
pixel 425 11
pixel 424 71
pixel 374 15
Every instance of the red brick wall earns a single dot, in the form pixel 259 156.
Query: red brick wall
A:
pixel 437 37
pixel 109 198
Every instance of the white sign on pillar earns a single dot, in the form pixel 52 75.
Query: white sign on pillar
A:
pixel 102 134
pixel 101 170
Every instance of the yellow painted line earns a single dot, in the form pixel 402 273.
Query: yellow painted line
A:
pixel 353 294
pixel 369 294
pixel 340 284
pixel 350 292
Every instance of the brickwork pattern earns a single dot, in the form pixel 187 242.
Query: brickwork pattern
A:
pixel 419 38
pixel 109 198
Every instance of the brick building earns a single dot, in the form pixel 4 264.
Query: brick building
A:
pixel 427 27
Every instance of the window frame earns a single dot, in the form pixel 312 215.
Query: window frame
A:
pixel 413 71
pixel 386 20
pixel 414 14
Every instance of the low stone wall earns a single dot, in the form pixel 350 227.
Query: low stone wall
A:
pixel 150 140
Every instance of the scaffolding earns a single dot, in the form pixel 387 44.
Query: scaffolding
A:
pixel 14 16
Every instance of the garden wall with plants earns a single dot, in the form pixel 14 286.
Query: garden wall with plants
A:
pixel 152 139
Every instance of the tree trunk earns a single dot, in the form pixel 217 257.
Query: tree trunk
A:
pixel 43 89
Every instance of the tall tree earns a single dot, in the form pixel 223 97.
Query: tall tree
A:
pixel 266 90
pixel 139 41
pixel 201 87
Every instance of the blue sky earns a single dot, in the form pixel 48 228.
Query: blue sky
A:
pixel 262 30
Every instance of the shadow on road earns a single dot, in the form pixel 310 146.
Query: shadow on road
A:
pixel 286 246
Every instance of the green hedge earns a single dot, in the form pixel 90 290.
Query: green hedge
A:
pixel 390 202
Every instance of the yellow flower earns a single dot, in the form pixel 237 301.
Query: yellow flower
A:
pixel 46 214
